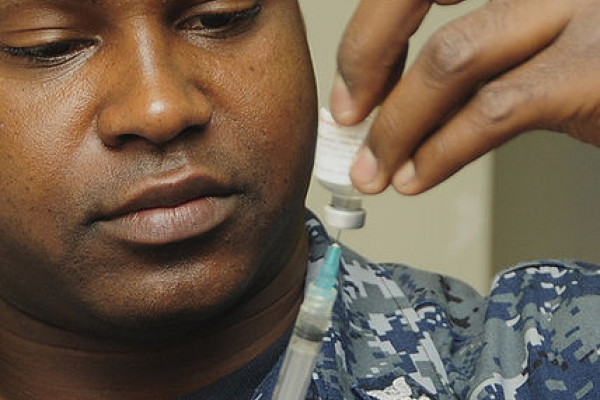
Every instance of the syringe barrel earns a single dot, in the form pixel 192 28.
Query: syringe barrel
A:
pixel 297 367
pixel 301 355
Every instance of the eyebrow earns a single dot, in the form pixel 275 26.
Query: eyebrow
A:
pixel 7 3
pixel 10 4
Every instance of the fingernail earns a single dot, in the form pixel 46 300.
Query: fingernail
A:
pixel 365 168
pixel 342 106
pixel 405 175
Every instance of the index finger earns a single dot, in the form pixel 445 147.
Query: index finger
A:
pixel 371 55
pixel 457 60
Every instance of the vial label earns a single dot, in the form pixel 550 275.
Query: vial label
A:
pixel 336 147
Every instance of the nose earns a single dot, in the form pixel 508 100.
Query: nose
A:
pixel 150 97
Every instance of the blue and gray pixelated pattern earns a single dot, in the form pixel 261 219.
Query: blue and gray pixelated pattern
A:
pixel 398 333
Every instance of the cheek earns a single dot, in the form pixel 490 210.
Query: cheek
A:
pixel 39 132
pixel 275 107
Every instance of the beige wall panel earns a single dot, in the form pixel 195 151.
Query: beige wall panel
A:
pixel 547 200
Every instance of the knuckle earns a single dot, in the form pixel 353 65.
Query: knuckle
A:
pixel 363 63
pixel 387 142
pixel 349 50
pixel 352 54
pixel 499 102
pixel 440 149
pixel 449 151
pixel 388 124
pixel 451 50
pixel 585 126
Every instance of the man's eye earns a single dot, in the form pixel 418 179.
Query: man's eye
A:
pixel 50 53
pixel 219 22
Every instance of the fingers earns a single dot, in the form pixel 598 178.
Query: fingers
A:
pixel 371 55
pixel 574 66
pixel 460 59
pixel 499 111
pixel 557 89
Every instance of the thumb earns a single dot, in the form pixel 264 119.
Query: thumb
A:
pixel 372 54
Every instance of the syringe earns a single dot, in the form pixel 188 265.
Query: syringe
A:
pixel 311 325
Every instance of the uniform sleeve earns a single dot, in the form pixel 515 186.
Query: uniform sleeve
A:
pixel 541 334
pixel 452 314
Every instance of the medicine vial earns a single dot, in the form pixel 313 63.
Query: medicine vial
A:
pixel 336 148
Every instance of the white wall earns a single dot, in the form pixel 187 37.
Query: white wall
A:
pixel 547 200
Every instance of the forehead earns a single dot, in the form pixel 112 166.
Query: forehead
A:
pixel 97 12
pixel 118 9
pixel 8 3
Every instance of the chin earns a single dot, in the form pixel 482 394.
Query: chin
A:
pixel 170 299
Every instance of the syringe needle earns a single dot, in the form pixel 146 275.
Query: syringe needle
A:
pixel 338 235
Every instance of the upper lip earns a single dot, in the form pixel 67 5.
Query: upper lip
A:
pixel 167 192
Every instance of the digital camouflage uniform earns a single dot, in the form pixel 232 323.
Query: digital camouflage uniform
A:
pixel 398 333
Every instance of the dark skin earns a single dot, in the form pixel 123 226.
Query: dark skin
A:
pixel 155 159
pixel 507 68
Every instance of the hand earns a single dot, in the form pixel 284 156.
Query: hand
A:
pixel 509 67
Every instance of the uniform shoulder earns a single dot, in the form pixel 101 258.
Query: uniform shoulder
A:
pixel 573 276
pixel 419 289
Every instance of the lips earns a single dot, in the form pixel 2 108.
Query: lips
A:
pixel 162 211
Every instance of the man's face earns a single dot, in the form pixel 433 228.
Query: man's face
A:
pixel 154 154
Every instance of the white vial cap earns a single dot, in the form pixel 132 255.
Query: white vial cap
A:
pixel 344 219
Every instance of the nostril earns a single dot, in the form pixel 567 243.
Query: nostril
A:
pixel 193 129
pixel 128 137
pixel 118 141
